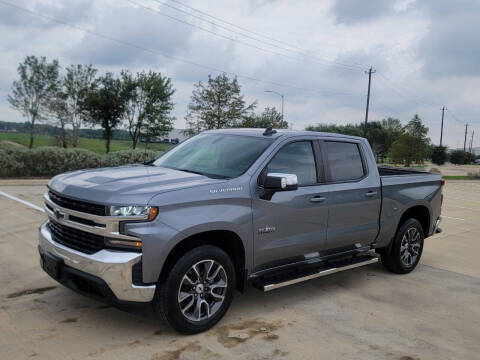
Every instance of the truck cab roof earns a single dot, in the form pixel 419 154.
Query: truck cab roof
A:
pixel 279 133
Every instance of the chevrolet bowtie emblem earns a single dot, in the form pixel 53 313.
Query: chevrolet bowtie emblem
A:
pixel 58 214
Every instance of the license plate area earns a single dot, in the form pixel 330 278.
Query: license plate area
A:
pixel 51 264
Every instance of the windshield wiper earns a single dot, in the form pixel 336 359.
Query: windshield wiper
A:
pixel 192 171
pixel 212 176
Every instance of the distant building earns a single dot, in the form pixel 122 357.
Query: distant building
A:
pixel 174 137
pixel 176 134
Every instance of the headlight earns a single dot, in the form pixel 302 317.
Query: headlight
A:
pixel 150 211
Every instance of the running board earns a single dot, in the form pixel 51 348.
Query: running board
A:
pixel 323 271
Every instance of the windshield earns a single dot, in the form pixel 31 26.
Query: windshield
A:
pixel 215 155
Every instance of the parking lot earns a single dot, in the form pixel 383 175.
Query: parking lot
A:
pixel 365 313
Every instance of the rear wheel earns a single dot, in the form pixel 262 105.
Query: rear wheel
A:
pixel 197 291
pixel 406 249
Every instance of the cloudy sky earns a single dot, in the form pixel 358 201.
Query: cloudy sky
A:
pixel 426 52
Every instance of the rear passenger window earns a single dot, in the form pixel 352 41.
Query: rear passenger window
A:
pixel 296 158
pixel 344 161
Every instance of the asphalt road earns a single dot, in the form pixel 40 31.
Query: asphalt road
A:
pixel 365 313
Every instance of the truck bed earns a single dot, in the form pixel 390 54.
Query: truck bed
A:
pixel 393 171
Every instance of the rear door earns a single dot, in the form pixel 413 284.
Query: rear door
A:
pixel 354 195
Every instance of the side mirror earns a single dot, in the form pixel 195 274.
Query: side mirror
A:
pixel 280 182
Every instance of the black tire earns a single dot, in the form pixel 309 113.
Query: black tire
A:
pixel 166 300
pixel 396 259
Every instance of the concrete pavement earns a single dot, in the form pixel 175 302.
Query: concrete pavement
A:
pixel 365 313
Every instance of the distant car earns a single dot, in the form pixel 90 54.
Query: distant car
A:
pixel 477 161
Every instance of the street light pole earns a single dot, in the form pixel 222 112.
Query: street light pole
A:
pixel 281 95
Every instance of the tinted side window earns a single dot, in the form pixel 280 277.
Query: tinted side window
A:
pixel 296 158
pixel 344 161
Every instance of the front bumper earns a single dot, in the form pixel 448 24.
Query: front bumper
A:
pixel 105 268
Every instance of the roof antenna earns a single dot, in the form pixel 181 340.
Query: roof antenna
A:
pixel 269 131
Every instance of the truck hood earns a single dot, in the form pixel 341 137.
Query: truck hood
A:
pixel 125 185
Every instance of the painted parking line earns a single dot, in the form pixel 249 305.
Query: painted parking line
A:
pixel 462 207
pixel 33 206
pixel 453 218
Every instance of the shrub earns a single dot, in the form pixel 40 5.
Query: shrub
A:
pixel 474 175
pixel 17 161
pixel 458 157
pixel 439 155
pixel 123 157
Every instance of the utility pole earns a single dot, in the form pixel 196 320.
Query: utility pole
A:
pixel 471 141
pixel 369 72
pixel 465 141
pixel 441 129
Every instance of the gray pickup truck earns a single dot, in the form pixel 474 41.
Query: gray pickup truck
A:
pixel 230 207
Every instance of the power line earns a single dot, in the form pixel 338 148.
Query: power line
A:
pixel 269 43
pixel 246 30
pixel 230 38
pixel 389 83
pixel 455 117
pixel 157 52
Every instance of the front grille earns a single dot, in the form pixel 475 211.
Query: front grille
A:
pixel 76 239
pixel 77 205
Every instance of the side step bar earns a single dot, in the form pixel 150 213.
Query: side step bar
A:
pixel 323 271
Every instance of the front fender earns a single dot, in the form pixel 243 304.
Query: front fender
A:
pixel 183 214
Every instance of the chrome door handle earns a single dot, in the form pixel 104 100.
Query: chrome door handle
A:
pixel 318 199
pixel 370 193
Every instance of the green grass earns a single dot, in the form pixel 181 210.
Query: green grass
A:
pixel 457 177
pixel 95 145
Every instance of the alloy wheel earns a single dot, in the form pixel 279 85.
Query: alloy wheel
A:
pixel 410 246
pixel 202 290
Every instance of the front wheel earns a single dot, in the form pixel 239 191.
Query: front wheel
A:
pixel 197 291
pixel 406 249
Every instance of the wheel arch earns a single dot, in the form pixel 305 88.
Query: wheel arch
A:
pixel 227 240
pixel 418 212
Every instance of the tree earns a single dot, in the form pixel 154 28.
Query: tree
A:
pixel 392 130
pixel 104 104
pixel 31 93
pixel 269 117
pixel 148 104
pixel 217 104
pixel 412 145
pixel 469 158
pixel 75 85
pixel 439 155
pixel 458 157
pixel 58 111
pixel 381 134
pixel 348 129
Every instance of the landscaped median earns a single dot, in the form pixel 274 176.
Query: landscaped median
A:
pixel 18 161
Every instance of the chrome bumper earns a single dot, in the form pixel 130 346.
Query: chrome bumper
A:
pixel 113 267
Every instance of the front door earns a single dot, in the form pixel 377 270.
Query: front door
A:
pixel 291 225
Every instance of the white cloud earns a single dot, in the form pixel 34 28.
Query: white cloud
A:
pixel 425 52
